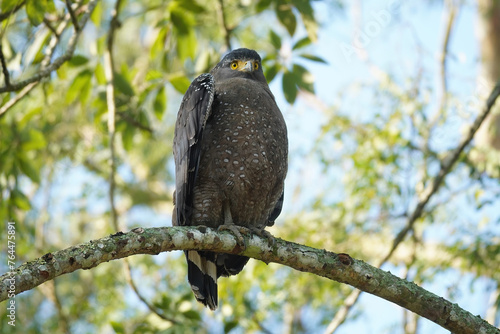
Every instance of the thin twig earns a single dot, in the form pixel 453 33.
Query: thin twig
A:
pixel 6 75
pixel 74 19
pixel 5 15
pixel 227 30
pixel 130 281
pixel 51 47
pixel 9 104
pixel 110 99
pixel 50 27
pixel 57 62
pixel 127 118
pixel 446 165
pixel 449 22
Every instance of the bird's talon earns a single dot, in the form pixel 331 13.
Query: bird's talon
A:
pixel 236 230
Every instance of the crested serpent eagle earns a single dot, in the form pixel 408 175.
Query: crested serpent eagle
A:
pixel 230 150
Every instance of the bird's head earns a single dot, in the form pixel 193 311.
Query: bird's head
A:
pixel 239 63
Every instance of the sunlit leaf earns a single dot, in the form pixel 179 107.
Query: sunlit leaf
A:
pixel 286 17
pixel 160 103
pixel 36 141
pixel 271 71
pixel 192 315
pixel 96 16
pixel 8 5
pixel 180 83
pixel 303 42
pixel 36 9
pixel 313 58
pixel 26 166
pixel 117 327
pixel 307 14
pixel 289 87
pixel 80 87
pixel 99 74
pixel 78 60
pixel 262 5
pixel 20 200
pixel 128 136
pixel 275 39
pixel 122 85
pixel 186 45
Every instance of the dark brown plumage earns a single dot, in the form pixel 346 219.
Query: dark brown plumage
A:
pixel 230 150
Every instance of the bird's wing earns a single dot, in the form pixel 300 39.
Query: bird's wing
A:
pixel 276 211
pixel 191 119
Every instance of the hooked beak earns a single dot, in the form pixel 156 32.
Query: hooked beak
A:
pixel 248 66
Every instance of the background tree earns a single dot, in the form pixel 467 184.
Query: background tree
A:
pixel 88 99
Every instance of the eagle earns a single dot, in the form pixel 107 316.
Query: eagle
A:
pixel 230 150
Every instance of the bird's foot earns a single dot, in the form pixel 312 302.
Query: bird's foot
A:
pixel 237 231
pixel 263 234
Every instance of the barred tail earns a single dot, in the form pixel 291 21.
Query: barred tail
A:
pixel 202 275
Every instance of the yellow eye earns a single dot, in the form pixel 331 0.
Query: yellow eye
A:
pixel 255 66
pixel 234 65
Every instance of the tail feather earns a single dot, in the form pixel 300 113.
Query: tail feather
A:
pixel 203 270
pixel 229 264
pixel 202 275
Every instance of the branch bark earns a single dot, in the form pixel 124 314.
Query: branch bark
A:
pixel 338 267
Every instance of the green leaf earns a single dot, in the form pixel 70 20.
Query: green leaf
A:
pixel 303 78
pixel 26 166
pixel 275 39
pixel 230 325
pixel 313 58
pixel 128 137
pixel 302 43
pixel 8 5
pixel 20 200
pixel 117 327
pixel 121 83
pixel 191 6
pixel 36 9
pixel 180 21
pixel 287 18
pixel 36 141
pixel 160 103
pixel 96 15
pixel 271 72
pixel 307 14
pixel 192 314
pixel 154 75
pixel 262 5
pixel 186 45
pixel 99 74
pixel 289 87
pixel 159 43
pixel 78 60
pixel 80 87
pixel 180 83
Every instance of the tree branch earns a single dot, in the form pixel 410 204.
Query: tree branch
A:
pixel 227 30
pixel 338 267
pixel 5 15
pixel 74 19
pixel 5 71
pixel 446 164
pixel 57 62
